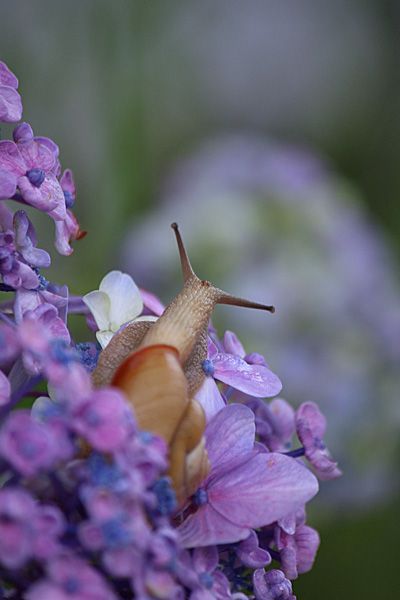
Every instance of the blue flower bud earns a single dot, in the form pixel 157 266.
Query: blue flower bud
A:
pixel 208 367
pixel 36 176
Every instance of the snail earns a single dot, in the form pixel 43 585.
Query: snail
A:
pixel 159 367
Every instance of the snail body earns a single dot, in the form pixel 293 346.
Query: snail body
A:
pixel 159 367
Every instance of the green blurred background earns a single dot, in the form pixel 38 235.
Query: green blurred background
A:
pixel 128 89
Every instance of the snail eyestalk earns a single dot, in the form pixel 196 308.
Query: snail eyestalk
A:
pixel 185 262
pixel 220 297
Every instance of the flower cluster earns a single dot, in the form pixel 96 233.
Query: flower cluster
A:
pixel 87 509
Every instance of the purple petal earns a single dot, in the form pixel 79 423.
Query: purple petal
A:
pixel 25 240
pixel 8 184
pixel 267 488
pixel 67 182
pixel 207 527
pixel 11 159
pixel 254 380
pixel 230 434
pixel 210 398
pixel 152 302
pixel 7 77
pixel 49 197
pixel 212 350
pixel 10 105
pixel 232 344
pixel 29 279
pixel 307 541
pixel 251 555
pixel 5 389
pixel 205 560
pixel 36 155
pixel 6 217
pixel 23 133
pixel 309 413
pixel 52 146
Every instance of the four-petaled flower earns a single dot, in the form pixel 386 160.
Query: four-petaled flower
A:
pixel 247 487
pixel 117 302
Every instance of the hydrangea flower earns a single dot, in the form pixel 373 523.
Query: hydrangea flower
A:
pixel 246 488
pixel 32 162
pixel 232 367
pixel 18 252
pixel 117 302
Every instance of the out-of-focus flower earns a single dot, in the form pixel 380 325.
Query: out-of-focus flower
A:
pixel 117 302
pixel 31 447
pixel 10 100
pixel 70 578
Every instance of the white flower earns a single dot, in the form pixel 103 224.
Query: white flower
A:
pixel 117 302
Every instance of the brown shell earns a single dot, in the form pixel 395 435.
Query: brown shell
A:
pixel 188 458
pixel 156 388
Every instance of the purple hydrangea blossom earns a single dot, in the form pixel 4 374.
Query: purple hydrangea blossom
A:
pixel 246 488
pixel 10 100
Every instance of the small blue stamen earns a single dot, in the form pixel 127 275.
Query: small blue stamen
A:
pixel 206 580
pixel 115 534
pixel 165 496
pixel 72 585
pixel 208 367
pixel 63 353
pixel 200 497
pixel 36 176
pixel 92 418
pixel 27 449
pixel 69 199
pixel 43 284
